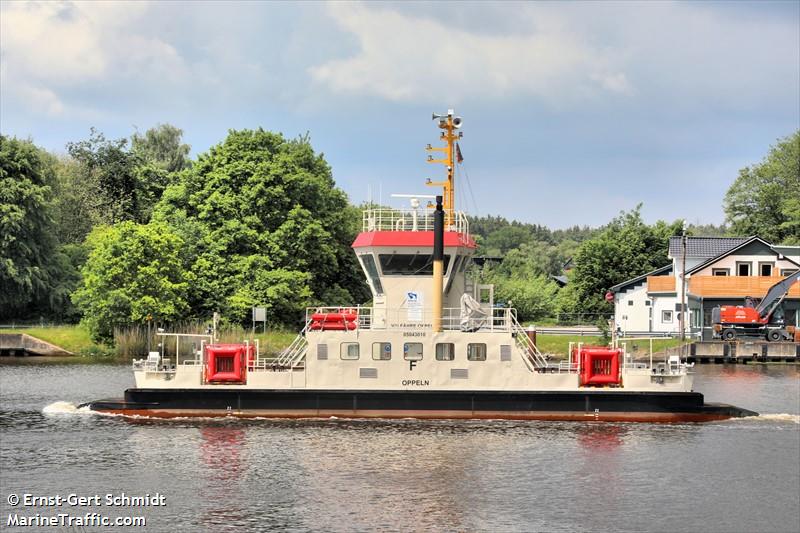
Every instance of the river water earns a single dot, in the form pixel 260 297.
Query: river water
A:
pixel 350 475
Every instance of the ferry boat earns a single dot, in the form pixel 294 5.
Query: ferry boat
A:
pixel 432 344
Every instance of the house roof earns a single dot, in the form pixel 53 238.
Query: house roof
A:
pixel 787 251
pixel 663 271
pixel 734 249
pixel 704 247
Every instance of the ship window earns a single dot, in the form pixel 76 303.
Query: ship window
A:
pixel 349 351
pixel 456 266
pixel 445 351
pixel 412 351
pixel 476 352
pixel 409 264
pixel 382 351
pixel 372 272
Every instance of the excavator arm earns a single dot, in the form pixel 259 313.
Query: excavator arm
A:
pixel 775 296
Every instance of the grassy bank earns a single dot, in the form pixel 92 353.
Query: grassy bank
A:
pixel 74 339
pixel 559 344
pixel 133 342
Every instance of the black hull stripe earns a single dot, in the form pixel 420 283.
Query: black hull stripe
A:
pixel 550 405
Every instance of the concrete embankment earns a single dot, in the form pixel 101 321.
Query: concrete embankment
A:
pixel 21 344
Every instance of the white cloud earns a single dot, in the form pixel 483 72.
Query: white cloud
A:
pixel 403 57
pixel 49 48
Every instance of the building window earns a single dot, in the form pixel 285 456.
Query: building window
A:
pixel 630 302
pixel 647 303
pixel 445 351
pixel 412 351
pixel 666 317
pixel 476 352
pixel 786 271
pixel 349 351
pixel 382 351
pixel 742 269
pixel 765 269
pixel 720 271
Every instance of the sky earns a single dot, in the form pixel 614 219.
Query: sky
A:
pixel 572 111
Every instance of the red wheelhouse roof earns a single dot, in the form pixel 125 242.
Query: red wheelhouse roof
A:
pixel 411 238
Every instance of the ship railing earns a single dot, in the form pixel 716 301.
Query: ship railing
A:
pixel 294 355
pixel 533 358
pixel 173 349
pixel 387 219
pixel 496 319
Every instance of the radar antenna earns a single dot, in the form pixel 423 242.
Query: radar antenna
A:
pixel 448 123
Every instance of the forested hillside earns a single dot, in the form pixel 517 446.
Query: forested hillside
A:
pixel 118 231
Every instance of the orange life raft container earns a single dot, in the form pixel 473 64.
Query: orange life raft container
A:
pixel 599 366
pixel 225 363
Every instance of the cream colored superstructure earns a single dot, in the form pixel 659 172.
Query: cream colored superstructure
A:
pixel 392 344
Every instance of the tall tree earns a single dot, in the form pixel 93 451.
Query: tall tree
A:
pixel 765 198
pixel 133 271
pixel 162 146
pixel 27 242
pixel 262 220
pixel 626 248
pixel 108 167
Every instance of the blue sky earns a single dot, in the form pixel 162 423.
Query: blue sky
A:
pixel 572 111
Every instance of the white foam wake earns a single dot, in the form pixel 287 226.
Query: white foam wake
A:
pixel 64 408
pixel 776 417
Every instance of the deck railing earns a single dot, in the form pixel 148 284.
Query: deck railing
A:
pixel 497 319
pixel 386 219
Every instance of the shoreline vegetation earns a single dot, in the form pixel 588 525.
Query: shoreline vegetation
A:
pixel 131 343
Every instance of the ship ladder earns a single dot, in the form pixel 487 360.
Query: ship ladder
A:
pixel 295 353
pixel 531 355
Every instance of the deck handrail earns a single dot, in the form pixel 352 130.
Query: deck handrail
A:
pixel 390 219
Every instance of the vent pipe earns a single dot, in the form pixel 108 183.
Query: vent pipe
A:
pixel 438 264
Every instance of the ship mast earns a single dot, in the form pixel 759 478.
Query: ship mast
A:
pixel 448 123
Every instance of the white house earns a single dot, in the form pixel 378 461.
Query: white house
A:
pixel 719 271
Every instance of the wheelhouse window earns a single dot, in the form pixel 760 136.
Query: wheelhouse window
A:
pixel 409 264
pixel 445 351
pixel 382 351
pixel 742 269
pixel 476 352
pixel 666 317
pixel 720 271
pixel 349 351
pixel 765 269
pixel 372 272
pixel 412 351
pixel 460 259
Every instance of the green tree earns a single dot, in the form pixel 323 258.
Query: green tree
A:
pixel 765 198
pixel 264 224
pixel 27 243
pixel 109 170
pixel 162 147
pixel 532 296
pixel 132 271
pixel 626 248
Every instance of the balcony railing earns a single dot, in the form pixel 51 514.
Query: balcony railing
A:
pixel 661 284
pixel 736 286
